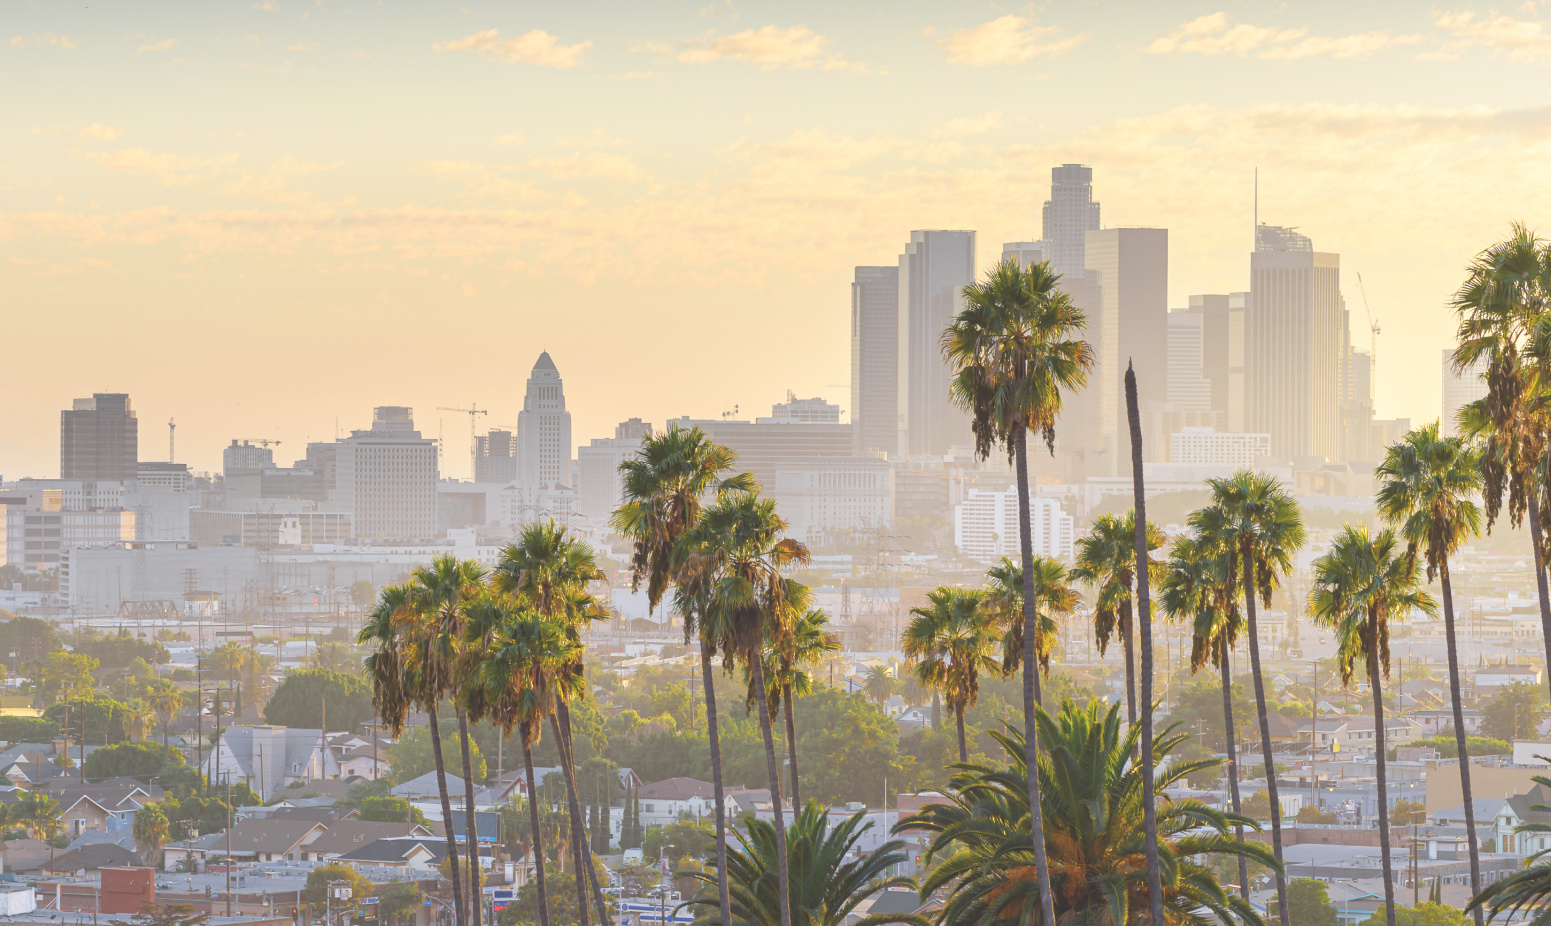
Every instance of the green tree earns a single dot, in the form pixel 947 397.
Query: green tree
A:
pixel 391 810
pixel 1514 712
pixel 786 674
pixel 166 702
pixel 1311 814
pixel 679 840
pixel 304 695
pixel 561 907
pixel 1427 913
pixel 413 754
pixel 398 902
pixel 1309 903
pixel 27 729
pixel 1258 807
pixel 1053 595
pixel 150 829
pixel 1407 813
pixel 30 638
pixel 65 676
pixel 881 682
pixel 105 718
pixel 855 743
pixel 951 642
pixel 363 594
pixel 317 888
pixel 1106 560
pixel 134 760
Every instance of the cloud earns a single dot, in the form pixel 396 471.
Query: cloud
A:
pixel 43 40
pixel 770 47
pixel 163 45
pixel 968 125
pixel 1007 39
pixel 512 139
pixel 99 132
pixel 268 6
pixel 537 47
pixel 312 47
pixel 1213 34
pixel 1519 39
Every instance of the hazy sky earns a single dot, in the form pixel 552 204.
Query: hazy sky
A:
pixel 263 218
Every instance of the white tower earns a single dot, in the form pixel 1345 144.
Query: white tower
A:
pixel 544 429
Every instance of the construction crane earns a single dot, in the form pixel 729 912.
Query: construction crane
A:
pixel 262 441
pixel 473 411
pixel 1373 328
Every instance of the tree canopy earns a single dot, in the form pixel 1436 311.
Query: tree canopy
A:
pixel 306 694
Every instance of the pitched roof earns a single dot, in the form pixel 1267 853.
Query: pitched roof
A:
pixel 395 850
pixel 92 857
pixel 271 836
pixel 677 789
pixel 349 835
pixel 26 854
pixel 426 786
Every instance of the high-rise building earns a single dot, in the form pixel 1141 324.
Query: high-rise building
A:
pixel 386 477
pixel 246 456
pixel 1222 353
pixel 599 486
pixel 1189 389
pixel 495 457
pixel 1069 215
pixel 99 439
pixel 1130 267
pixel 1460 389
pixel 802 411
pixel 875 424
pixel 985 526
pixel 933 272
pixel 1296 346
pixel 1023 253
pixel 544 429
pixel 764 444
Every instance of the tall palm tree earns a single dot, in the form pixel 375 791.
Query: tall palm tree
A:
pixel 1003 603
pixel 1093 794
pixel 1503 317
pixel 150 832
pixel 441 594
pixel 1106 560
pixel 549 570
pixel 1257 522
pixel 1195 588
pixel 951 641
pixel 166 701
pixel 743 558
pixel 1360 584
pixel 1015 348
pixel 881 682
pixel 665 487
pixel 787 676
pixel 1427 484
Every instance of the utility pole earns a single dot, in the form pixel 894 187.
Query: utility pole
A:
pixel 1314 739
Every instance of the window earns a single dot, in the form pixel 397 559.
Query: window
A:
pixel 648 808
pixel 1509 841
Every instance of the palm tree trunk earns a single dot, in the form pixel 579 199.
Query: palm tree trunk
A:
pixel 1125 633
pixel 592 871
pixel 579 850
pixel 1540 570
pixel 476 900
pixel 452 843
pixel 958 719
pixel 783 875
pixel 1144 613
pixel 1031 682
pixel 1233 759
pixel 1459 733
pixel 791 745
pixel 538 834
pixel 1379 758
pixel 1247 567
pixel 706 652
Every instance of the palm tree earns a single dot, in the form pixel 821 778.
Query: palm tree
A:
pixel 831 875
pixel 1527 890
pixel 1503 319
pixel 166 701
pixel 881 682
pixel 1106 559
pixel 665 487
pixel 951 643
pixel 1360 584
pixel 39 816
pixel 150 832
pixel 1003 602
pixel 787 676
pixel 1195 588
pixel 440 594
pixel 1427 485
pixel 742 557
pixel 1257 522
pixel 1093 795
pixel 1015 348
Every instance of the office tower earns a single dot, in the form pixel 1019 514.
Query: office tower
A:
pixel 386 477
pixel 1069 215
pixel 599 486
pixel 933 272
pixel 1358 438
pixel 1222 353
pixel 495 457
pixel 985 526
pixel 544 429
pixel 1460 389
pixel 1294 353
pixel 1208 447
pixel 1189 389
pixel 1023 253
pixel 1130 267
pixel 802 411
pixel 766 443
pixel 246 456
pixel 99 439
pixel 875 360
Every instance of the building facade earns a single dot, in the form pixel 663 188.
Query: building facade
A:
pixel 823 496
pixel 1210 447
pixel 1069 215
pixel 495 457
pixel 875 424
pixel 1130 267
pixel 1460 389
pixel 933 272
pixel 544 428
pixel 985 526
pixel 600 488
pixel 386 477
pixel 99 439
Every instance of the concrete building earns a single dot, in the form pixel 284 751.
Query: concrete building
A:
pixel 1130 266
pixel 933 272
pixel 1024 254
pixel 875 422
pixel 522 504
pixel 802 411
pixel 821 496
pixel 99 439
pixel 39 535
pixel 1460 389
pixel 246 455
pixel 386 477
pixel 762 444
pixel 1069 215
pixel 98 579
pixel 1296 342
pixel 599 486
pixel 1188 387
pixel 544 428
pixel 495 457
pixel 266 529
pixel 985 526
pixel 1209 447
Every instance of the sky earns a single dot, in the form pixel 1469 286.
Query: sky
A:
pixel 261 219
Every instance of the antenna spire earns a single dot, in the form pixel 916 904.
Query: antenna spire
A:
pixel 1255 241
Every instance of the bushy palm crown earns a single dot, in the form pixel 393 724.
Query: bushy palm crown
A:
pixel 952 644
pixel 1257 519
pixel 880 683
pixel 1195 588
pixel 525 661
pixel 1015 347
pixel 1360 584
pixel 808 642
pixel 1427 484
pixel 1092 795
pixel 1106 560
pixel 387 626
pixel 1003 604
pixel 830 875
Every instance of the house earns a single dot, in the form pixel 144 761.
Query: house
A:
pixel 1435 722
pixel 94 857
pixel 80 812
pixel 426 787
pixel 251 841
pixel 672 799
pixel 403 855
pixel 1488 679
pixel 363 762
pixel 1515 812
pixel 349 835
pixel 270 757
pixel 121 797
pixel 24 856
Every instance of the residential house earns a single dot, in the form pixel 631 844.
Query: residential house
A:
pixel 363 762
pixel 1488 679
pixel 673 799
pixel 121 797
pixel 426 787
pixel 269 757
pixel 251 841
pixel 94 857
pixel 1515 812
pixel 1433 722
pixel 348 835
pixel 404 855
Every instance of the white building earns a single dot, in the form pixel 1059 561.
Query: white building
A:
pixel 98 579
pixel 985 526
pixel 386 477
pixel 1210 447
pixel 268 757
pixel 1460 389
pixel 804 411
pixel 822 495
pixel 44 519
pixel 599 485
pixel 523 504
pixel 544 429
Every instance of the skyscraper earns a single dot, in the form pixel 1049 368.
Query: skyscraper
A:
pixel 599 486
pixel 1295 346
pixel 386 476
pixel 1069 215
pixel 495 457
pixel 99 439
pixel 1189 389
pixel 1024 253
pixel 1222 353
pixel 875 360
pixel 1130 267
pixel 933 272
pixel 544 429
pixel 1460 389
